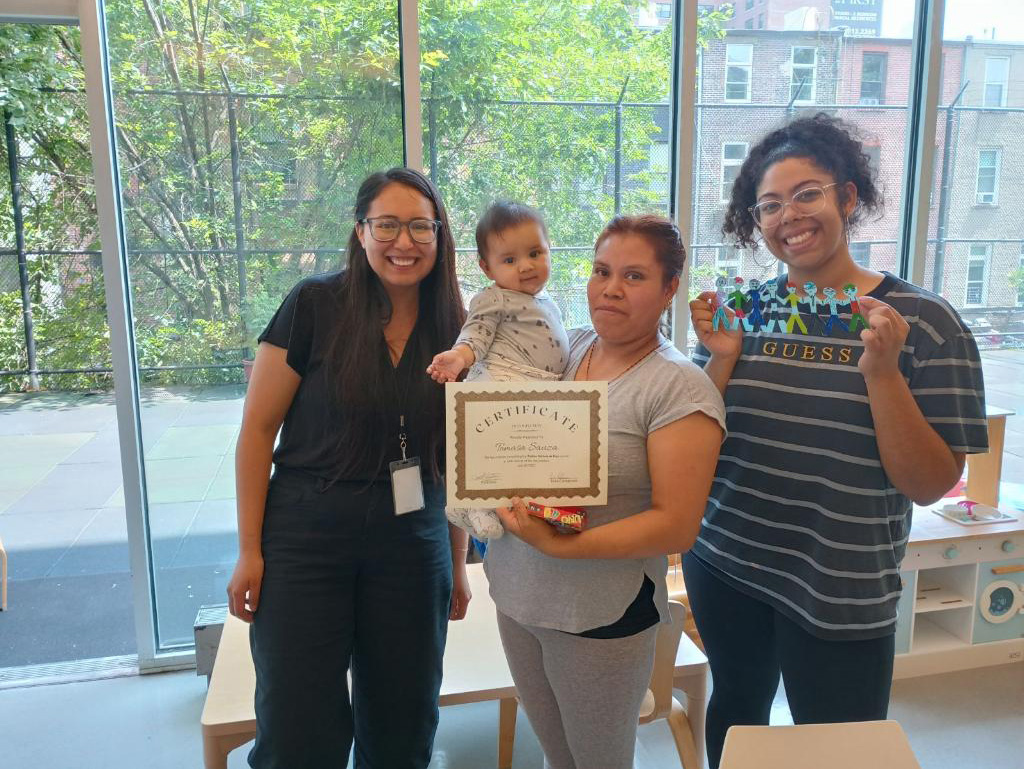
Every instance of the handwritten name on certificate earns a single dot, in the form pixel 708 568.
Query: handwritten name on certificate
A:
pixel 546 441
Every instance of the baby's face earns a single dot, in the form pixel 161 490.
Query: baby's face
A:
pixel 518 258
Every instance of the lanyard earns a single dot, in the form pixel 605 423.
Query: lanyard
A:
pixel 403 399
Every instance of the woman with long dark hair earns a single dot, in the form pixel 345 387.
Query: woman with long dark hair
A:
pixel 345 556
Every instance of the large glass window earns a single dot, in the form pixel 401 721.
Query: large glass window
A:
pixel 61 517
pixel 526 111
pixel 242 138
pixel 739 103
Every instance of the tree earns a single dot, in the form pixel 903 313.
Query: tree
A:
pixel 314 95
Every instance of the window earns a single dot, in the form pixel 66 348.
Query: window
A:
pixel 738 65
pixel 728 261
pixel 664 11
pixel 748 24
pixel 861 253
pixel 997 76
pixel 1020 286
pixel 872 78
pixel 801 84
pixel 750 5
pixel 760 21
pixel 733 155
pixel 988 177
pixel 977 274
pixel 660 171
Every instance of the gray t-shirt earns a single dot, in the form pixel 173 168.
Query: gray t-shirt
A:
pixel 510 326
pixel 578 595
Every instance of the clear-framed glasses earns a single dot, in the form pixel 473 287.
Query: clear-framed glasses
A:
pixel 808 201
pixel 387 228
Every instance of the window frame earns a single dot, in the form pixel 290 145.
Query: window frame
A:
pixel 995 168
pixel 986 260
pixel 1003 84
pixel 793 66
pixel 748 67
pixel 883 58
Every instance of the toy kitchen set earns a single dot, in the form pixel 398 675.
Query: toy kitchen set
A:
pixel 963 576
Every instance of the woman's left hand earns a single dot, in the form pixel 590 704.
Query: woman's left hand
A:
pixel 883 338
pixel 529 528
pixel 461 594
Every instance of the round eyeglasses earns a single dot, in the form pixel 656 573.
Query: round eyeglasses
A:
pixel 808 201
pixel 388 228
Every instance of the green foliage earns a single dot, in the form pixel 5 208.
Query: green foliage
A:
pixel 315 93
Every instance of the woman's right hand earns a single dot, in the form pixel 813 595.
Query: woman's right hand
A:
pixel 725 342
pixel 244 587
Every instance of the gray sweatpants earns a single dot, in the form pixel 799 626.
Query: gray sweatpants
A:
pixel 582 695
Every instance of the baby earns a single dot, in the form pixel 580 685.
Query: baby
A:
pixel 514 330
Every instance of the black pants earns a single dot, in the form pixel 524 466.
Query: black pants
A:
pixel 748 643
pixel 348 581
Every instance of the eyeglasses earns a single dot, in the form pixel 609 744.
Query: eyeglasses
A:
pixel 808 201
pixel 388 228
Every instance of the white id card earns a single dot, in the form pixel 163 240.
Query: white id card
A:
pixel 407 485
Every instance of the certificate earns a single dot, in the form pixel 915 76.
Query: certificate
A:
pixel 545 441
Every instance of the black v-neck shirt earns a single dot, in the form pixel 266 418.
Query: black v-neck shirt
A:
pixel 312 436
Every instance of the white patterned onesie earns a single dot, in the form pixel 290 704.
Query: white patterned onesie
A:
pixel 514 337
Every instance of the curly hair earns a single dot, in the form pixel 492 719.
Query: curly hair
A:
pixel 827 141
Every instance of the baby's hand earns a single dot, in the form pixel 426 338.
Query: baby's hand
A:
pixel 446 366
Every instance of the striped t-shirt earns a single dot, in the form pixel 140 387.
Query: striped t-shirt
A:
pixel 801 513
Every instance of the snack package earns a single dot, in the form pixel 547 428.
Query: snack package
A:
pixel 566 519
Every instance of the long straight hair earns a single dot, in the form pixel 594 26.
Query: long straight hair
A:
pixel 358 362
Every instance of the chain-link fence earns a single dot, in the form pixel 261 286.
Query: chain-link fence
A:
pixel 226 209
pixel 230 198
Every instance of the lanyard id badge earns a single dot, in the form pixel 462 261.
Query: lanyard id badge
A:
pixel 406 480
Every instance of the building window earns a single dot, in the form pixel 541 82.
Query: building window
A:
pixel 750 5
pixel 739 61
pixel 997 77
pixel 803 66
pixel 861 253
pixel 988 177
pixel 977 273
pixel 872 78
pixel 733 155
pixel 760 21
pixel 728 261
pixel 664 11
pixel 1020 286
pixel 749 23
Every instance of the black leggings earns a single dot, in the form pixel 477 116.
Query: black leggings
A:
pixel 749 643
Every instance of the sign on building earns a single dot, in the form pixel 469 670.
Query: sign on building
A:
pixel 862 18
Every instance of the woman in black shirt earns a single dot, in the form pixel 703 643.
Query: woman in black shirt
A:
pixel 331 568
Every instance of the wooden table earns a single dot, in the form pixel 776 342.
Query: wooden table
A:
pixel 817 746
pixel 475 670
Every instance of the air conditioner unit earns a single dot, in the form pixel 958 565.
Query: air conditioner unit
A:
pixel 869 100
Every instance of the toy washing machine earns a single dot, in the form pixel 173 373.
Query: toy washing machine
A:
pixel 1000 602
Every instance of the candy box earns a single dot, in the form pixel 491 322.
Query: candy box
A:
pixel 568 519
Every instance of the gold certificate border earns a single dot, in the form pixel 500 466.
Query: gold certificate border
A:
pixel 462 398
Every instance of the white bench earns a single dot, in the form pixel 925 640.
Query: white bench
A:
pixel 475 670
